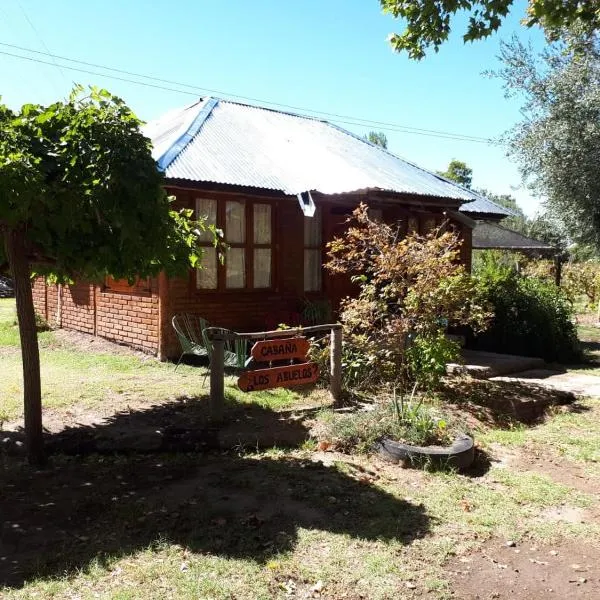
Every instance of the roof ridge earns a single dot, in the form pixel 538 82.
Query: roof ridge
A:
pixel 188 135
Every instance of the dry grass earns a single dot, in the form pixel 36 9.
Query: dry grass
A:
pixel 277 524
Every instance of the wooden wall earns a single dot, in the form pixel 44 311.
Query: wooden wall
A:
pixel 141 316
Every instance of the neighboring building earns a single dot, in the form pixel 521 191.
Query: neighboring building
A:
pixel 488 234
pixel 280 186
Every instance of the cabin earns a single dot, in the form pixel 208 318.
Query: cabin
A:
pixel 280 186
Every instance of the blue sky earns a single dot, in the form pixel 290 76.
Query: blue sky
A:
pixel 329 55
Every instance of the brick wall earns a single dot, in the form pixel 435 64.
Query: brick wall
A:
pixel 127 318
pixel 141 317
pixel 130 319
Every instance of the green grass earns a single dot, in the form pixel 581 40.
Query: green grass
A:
pixel 250 525
pixel 73 377
pixel 574 435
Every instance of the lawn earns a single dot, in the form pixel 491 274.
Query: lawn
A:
pixel 276 522
pixel 78 378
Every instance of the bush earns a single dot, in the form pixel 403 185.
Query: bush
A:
pixel 583 280
pixel 409 290
pixel 40 323
pixel 532 317
pixel 411 422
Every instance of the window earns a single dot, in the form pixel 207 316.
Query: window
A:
pixel 312 252
pixel 427 225
pixel 262 239
pixel 235 237
pixel 247 228
pixel 206 275
pixel 413 224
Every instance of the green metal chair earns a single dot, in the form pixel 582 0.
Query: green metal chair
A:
pixel 235 351
pixel 190 332
pixel 193 335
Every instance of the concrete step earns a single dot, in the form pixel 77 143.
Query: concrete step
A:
pixel 483 365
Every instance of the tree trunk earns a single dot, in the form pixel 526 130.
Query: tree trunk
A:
pixel 16 253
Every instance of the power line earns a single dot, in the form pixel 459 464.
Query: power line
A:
pixel 258 100
pixel 339 118
pixel 37 33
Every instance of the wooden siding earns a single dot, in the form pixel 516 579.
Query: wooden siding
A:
pixel 141 316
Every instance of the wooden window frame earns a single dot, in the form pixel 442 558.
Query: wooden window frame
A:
pixel 248 246
pixel 321 247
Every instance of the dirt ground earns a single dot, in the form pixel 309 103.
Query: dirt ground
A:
pixel 236 506
pixel 503 569
pixel 527 571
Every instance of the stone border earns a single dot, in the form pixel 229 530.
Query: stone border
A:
pixel 460 455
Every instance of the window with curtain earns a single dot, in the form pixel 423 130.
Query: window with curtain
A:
pixel 413 224
pixel 261 250
pixel 313 252
pixel 206 275
pixel 247 228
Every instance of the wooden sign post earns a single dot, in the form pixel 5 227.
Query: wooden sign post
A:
pixel 284 349
pixel 276 351
pixel 280 347
pixel 286 376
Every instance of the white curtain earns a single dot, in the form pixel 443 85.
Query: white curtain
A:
pixel 262 268
pixel 206 275
pixel 235 268
pixel 262 224
pixel 312 229
pixel 312 270
pixel 235 222
pixel 206 209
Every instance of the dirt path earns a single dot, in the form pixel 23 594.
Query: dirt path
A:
pixel 529 570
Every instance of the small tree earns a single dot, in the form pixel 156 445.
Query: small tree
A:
pixel 410 289
pixel 378 138
pixel 458 171
pixel 80 197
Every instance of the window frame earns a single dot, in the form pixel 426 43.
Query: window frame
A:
pixel 320 246
pixel 248 246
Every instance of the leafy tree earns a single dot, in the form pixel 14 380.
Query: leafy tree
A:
pixel 558 142
pixel 80 197
pixel 428 22
pixel 458 171
pixel 378 138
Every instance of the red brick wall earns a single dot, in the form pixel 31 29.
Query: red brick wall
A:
pixel 77 309
pixel 130 319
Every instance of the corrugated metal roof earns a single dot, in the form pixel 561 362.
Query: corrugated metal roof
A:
pixel 226 142
pixel 483 205
pixel 488 236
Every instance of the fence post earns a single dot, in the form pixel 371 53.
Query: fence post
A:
pixel 217 378
pixel 335 386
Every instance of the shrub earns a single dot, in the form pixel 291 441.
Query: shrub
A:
pixel 409 290
pixel 411 421
pixel 532 317
pixel 583 280
pixel 40 323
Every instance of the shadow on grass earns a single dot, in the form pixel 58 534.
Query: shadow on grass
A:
pixel 504 403
pixel 82 510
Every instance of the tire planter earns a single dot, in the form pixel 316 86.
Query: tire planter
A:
pixel 460 455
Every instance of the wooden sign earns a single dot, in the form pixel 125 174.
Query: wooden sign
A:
pixel 282 349
pixel 287 376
